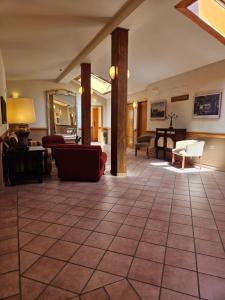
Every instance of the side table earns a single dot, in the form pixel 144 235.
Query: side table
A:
pixel 23 166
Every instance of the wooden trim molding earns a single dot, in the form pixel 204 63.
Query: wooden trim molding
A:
pixel 183 8
pixel 198 134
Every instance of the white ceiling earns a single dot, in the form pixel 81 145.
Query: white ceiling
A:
pixel 37 41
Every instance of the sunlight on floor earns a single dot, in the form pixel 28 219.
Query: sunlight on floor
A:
pixel 187 170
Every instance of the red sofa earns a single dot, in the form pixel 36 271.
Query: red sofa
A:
pixel 51 141
pixel 80 162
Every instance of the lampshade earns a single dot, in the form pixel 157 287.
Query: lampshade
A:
pixel 20 111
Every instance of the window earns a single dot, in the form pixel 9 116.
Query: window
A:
pixel 209 14
pixel 98 84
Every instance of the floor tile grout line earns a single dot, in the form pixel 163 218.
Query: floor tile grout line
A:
pixel 223 245
pixel 195 252
pixel 167 237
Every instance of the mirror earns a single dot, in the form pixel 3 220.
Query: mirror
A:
pixel 62 113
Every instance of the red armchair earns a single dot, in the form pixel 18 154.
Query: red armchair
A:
pixel 51 141
pixel 80 162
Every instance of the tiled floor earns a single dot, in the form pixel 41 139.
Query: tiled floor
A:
pixel 155 234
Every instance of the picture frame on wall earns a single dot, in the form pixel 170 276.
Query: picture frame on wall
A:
pixel 3 110
pixel 158 110
pixel 207 105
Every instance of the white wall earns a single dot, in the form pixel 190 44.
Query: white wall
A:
pixel 3 127
pixel 208 78
pixel 36 89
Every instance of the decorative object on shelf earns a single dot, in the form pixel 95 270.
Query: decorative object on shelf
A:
pixel 180 98
pixel 20 112
pixel 3 110
pixel 158 110
pixel 172 117
pixel 207 105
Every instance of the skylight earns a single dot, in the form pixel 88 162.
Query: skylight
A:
pixel 99 84
pixel 209 14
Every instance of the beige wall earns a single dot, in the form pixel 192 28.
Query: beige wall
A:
pixel 3 127
pixel 36 89
pixel 208 78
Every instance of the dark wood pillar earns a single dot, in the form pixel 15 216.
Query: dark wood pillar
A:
pixel 119 102
pixel 86 103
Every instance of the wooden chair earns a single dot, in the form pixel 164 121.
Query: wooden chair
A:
pixel 143 142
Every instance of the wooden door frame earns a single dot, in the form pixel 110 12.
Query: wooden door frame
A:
pixel 138 107
pixel 101 127
pixel 131 104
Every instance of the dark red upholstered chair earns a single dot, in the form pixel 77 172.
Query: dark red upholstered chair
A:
pixel 81 162
pixel 51 141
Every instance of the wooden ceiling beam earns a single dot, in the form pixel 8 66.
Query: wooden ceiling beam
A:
pixel 68 74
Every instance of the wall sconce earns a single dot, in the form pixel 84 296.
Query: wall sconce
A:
pixel 15 95
pixel 135 104
pixel 81 90
pixel 113 71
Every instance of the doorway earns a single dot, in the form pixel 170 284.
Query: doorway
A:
pixel 130 125
pixel 96 121
pixel 142 118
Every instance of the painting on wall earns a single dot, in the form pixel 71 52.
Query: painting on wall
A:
pixel 3 110
pixel 158 110
pixel 207 105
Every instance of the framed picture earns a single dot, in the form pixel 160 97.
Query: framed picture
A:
pixel 207 105
pixel 3 110
pixel 158 110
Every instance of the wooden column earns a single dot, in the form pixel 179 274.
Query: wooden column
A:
pixel 119 102
pixel 86 103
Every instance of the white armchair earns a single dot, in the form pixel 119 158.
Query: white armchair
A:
pixel 188 148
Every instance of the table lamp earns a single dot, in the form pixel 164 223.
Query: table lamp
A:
pixel 20 112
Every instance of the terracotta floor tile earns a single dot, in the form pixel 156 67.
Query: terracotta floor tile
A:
pixel 87 223
pixel 151 252
pixel 171 295
pixel 155 237
pixel 99 240
pixel 108 227
pixel 53 293
pixel 87 256
pixel 181 229
pixel 73 278
pixel 31 289
pixel 96 214
pixel 121 209
pixel 181 219
pixel 145 291
pixel 44 269
pixel 8 232
pixel 146 271
pixel 76 235
pixel 67 220
pixel 36 227
pixel 25 237
pixel 180 280
pixel 115 217
pixel 121 290
pixel 180 242
pixel 211 288
pixel 115 263
pixel 181 259
pixel 100 279
pixel 50 216
pixel 123 245
pixel 9 284
pixel 8 262
pixel 99 294
pixel 139 212
pixel 211 265
pixel 8 246
pixel 206 234
pixel 130 232
pixel 27 259
pixel 157 225
pixel 40 244
pixel 62 250
pixel 61 208
pixel 209 248
pixel 79 211
pixel 55 231
pixel 135 221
